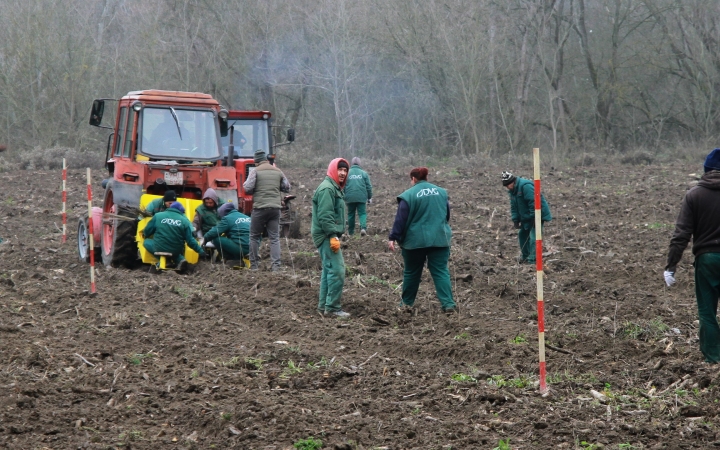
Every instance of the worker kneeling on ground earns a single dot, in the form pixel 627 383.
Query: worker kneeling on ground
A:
pixel 421 228
pixel 206 215
pixel 231 236
pixel 160 204
pixel 168 232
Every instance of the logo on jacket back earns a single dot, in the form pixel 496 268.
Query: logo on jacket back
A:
pixel 172 222
pixel 426 192
pixel 240 220
pixel 355 177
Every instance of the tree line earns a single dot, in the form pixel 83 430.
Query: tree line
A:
pixel 377 77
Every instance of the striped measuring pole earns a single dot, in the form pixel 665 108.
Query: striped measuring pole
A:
pixel 90 232
pixel 539 268
pixel 64 201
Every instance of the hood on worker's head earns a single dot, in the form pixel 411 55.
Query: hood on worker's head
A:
pixel 710 180
pixel 355 161
pixel 332 171
pixel 211 194
pixel 178 206
pixel 225 209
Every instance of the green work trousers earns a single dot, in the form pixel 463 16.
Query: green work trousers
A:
pixel 437 262
pixel 230 249
pixel 149 245
pixel 332 278
pixel 707 291
pixel 362 213
pixel 526 238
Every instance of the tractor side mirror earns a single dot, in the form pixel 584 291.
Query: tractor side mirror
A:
pixel 291 135
pixel 96 115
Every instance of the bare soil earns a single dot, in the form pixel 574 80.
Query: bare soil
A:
pixel 223 358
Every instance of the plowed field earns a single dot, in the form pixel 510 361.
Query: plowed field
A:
pixel 223 358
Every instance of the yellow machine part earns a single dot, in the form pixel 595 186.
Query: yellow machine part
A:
pixel 189 205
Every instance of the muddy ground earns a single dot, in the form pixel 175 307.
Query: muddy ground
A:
pixel 226 358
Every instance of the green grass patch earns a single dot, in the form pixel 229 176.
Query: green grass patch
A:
pixel 463 378
pixel 137 358
pixel 644 329
pixel 308 444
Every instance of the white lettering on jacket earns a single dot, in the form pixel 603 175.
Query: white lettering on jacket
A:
pixel 355 177
pixel 172 222
pixel 426 192
pixel 242 220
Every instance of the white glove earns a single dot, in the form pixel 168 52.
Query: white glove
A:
pixel 669 278
pixel 201 241
pixel 209 245
pixel 369 201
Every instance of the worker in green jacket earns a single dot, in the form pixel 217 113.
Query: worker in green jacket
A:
pixel 358 192
pixel 422 230
pixel 231 236
pixel 159 204
pixel 206 215
pixel 328 224
pixel 522 211
pixel 169 231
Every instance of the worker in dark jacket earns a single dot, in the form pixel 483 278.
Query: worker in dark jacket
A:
pixel 328 225
pixel 358 192
pixel 231 235
pixel 169 231
pixel 422 230
pixel 160 204
pixel 522 212
pixel 265 184
pixel 699 219
pixel 206 215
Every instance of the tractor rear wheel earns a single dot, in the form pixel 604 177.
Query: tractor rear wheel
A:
pixel 119 226
pixel 291 230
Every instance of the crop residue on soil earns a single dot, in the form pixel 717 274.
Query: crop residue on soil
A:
pixel 234 359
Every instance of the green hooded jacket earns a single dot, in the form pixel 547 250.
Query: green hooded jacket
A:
pixel 206 218
pixel 522 204
pixel 155 206
pixel 358 188
pixel 235 226
pixel 171 230
pixel 426 224
pixel 328 207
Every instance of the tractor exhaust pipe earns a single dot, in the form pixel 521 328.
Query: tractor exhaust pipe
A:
pixel 231 147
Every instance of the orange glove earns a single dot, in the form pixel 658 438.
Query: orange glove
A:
pixel 334 244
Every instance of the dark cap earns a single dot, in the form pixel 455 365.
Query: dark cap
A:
pixel 508 178
pixel 170 196
pixel 712 162
pixel 260 156
pixel 343 163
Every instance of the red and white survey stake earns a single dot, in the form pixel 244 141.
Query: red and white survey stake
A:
pixel 64 201
pixel 90 233
pixel 539 268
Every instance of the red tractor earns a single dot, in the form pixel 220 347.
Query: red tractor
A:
pixel 248 132
pixel 165 140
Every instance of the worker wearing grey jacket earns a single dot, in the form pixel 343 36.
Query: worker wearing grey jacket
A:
pixel 265 184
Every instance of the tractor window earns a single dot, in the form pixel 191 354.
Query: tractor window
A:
pixel 121 131
pixel 128 136
pixel 249 135
pixel 179 134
